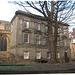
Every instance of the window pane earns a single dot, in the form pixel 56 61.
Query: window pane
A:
pixel 26 24
pixel 47 40
pixel 37 27
pixel 48 55
pixel 46 28
pixel 25 38
pixel 38 55
pixel 26 55
pixel 37 40
pixel 58 55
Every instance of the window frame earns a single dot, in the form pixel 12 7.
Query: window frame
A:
pixel 48 55
pixel 58 55
pixel 46 28
pixel 27 57
pixel 37 28
pixel 47 41
pixel 38 40
pixel 27 25
pixel 28 38
pixel 38 56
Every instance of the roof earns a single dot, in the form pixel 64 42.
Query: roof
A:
pixel 2 21
pixel 28 14
pixel 33 16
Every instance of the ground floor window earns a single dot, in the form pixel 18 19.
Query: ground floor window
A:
pixel 48 55
pixel 3 42
pixel 38 55
pixel 58 55
pixel 26 55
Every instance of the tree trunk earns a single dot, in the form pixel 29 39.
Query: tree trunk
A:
pixel 50 35
pixel 52 46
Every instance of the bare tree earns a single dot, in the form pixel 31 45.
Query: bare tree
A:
pixel 53 11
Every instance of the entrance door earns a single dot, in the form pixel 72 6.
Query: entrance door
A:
pixel 66 57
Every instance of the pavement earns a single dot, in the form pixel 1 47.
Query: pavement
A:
pixel 42 68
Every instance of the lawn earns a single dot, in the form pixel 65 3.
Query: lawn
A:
pixel 34 67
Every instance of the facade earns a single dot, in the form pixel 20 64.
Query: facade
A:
pixel 5 34
pixel 29 38
pixel 72 44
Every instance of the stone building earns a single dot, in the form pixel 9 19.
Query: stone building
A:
pixel 29 38
pixel 5 34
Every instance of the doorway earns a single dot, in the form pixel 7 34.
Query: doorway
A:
pixel 66 57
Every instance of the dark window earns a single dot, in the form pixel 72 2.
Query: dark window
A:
pixel 46 28
pixel 25 38
pixel 47 40
pixel 3 43
pixel 7 27
pixel 37 39
pixel 37 26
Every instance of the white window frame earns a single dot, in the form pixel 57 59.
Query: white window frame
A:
pixel 28 38
pixel 26 57
pixel 38 55
pixel 48 56
pixel 36 39
pixel 27 24
pixel 58 55
pixel 38 26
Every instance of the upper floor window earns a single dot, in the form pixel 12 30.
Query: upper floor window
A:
pixel 7 27
pixel 37 39
pixel 26 24
pixel 47 40
pixel 46 28
pixel 26 38
pixel 37 26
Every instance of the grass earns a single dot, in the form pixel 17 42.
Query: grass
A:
pixel 16 67
pixel 11 64
pixel 32 67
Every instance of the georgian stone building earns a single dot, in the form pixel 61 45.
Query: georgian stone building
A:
pixel 5 34
pixel 29 38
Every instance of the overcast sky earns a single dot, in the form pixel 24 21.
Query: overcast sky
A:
pixel 7 11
